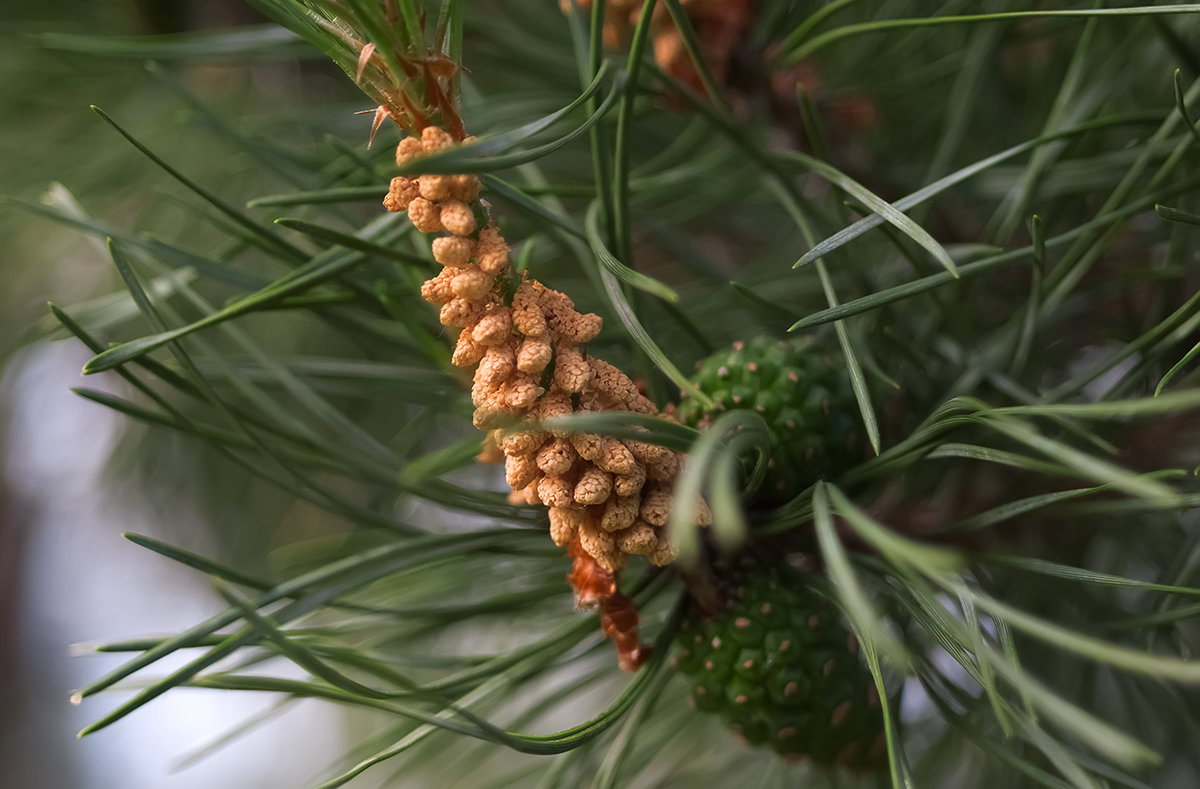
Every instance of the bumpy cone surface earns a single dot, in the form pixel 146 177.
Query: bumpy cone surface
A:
pixel 803 393
pixel 777 664
pixel 607 499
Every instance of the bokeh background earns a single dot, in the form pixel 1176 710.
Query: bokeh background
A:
pixel 67 578
pixel 75 476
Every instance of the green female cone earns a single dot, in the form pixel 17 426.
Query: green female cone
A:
pixel 776 662
pixel 779 667
pixel 803 394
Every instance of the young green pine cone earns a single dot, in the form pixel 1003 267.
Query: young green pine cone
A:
pixel 802 391
pixel 779 667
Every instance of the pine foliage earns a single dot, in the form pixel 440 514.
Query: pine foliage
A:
pixel 986 211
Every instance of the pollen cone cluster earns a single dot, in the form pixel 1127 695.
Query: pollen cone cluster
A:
pixel 720 27
pixel 612 498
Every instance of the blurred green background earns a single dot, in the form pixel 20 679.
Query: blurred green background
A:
pixel 66 576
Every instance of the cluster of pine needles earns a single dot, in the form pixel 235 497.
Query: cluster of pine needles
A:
pixel 990 211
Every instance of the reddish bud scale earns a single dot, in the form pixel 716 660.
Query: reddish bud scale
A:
pixel 596 587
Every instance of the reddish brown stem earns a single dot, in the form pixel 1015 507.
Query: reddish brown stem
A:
pixel 596 587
